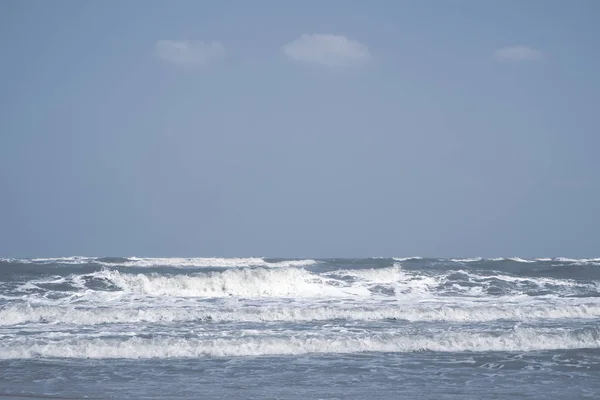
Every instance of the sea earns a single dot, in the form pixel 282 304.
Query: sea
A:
pixel 262 328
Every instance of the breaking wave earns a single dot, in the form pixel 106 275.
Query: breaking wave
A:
pixel 133 348
pixel 299 282
pixel 245 283
pixel 211 307
pixel 25 314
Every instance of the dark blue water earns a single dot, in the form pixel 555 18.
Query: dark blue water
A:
pixel 300 329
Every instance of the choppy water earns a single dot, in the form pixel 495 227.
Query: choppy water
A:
pixel 300 329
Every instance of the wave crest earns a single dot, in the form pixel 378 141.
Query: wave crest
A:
pixel 245 283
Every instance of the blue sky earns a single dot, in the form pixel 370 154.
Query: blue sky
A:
pixel 299 129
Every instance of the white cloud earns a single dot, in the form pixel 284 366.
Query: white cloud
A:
pixel 329 50
pixel 189 53
pixel 518 53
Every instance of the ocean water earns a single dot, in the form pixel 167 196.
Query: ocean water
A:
pixel 254 328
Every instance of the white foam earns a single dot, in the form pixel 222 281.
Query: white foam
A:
pixel 521 260
pixel 403 283
pixel 578 260
pixel 375 275
pixel 18 315
pixel 400 259
pixel 245 283
pixel 61 259
pixel 559 286
pixel 466 260
pixel 516 340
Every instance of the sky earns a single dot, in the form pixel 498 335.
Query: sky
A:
pixel 299 129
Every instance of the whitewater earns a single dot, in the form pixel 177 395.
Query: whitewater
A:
pixel 411 327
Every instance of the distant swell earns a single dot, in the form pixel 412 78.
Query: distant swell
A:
pixel 198 262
